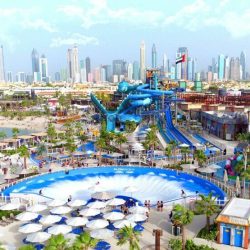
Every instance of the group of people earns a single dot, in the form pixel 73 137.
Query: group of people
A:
pixel 159 206
pixel 147 204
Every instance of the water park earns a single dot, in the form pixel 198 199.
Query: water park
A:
pixel 130 164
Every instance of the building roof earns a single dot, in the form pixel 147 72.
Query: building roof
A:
pixel 237 211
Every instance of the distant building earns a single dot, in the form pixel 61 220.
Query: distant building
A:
pixel 209 76
pixel 63 74
pixel 90 77
pixel 2 70
pixel 221 67
pixel 190 69
pixel 178 68
pixel 184 68
pixel 21 77
pixel 227 68
pixel 57 77
pixel 43 66
pixel 83 71
pixel 243 64
pixel 172 73
pixel 194 66
pixel 88 68
pixel 37 77
pixel 119 67
pixel 73 65
pixel 108 71
pixel 136 71
pixel 35 61
pixel 143 61
pixel 130 71
pixel 9 76
pixel 115 78
pixel 97 74
pixel 165 63
pixel 235 69
pixel 154 56
pixel 103 75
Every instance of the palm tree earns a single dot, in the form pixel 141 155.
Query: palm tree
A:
pixel 27 247
pixel 24 152
pixel 185 151
pixel 244 137
pixel 70 147
pixel 130 126
pixel 51 132
pixel 84 241
pixel 57 242
pixel 182 217
pixel 168 151
pixel 41 149
pixel 120 139
pixel 200 156
pixel 174 145
pixel 100 143
pixel 207 205
pixel 15 132
pixel 151 140
pixel 128 235
pixel 2 135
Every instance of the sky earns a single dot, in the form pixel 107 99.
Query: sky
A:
pixel 113 29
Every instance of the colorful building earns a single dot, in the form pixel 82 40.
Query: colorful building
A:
pixel 233 223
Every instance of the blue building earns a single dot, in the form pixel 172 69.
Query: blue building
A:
pixel 221 67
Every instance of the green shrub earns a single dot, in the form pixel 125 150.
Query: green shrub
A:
pixel 176 244
pixel 208 235
pixel 7 213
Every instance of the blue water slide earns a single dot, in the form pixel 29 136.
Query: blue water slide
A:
pixel 98 104
pixel 177 134
pixel 144 88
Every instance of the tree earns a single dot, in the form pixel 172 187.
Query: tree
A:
pixel 84 241
pixel 243 137
pixel 200 156
pixel 78 128
pixel 15 132
pixel 174 145
pixel 51 132
pixel 100 143
pixel 185 151
pixel 152 140
pixel 41 149
pixel 182 217
pixel 57 242
pixel 168 151
pixel 120 139
pixel 23 151
pixel 207 205
pixel 2 135
pixel 128 235
pixel 130 126
pixel 70 147
pixel 27 247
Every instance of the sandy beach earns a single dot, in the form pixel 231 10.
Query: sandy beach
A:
pixel 33 123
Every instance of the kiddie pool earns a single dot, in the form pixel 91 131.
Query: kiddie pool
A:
pixel 151 183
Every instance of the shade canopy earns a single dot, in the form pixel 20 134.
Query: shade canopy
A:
pixel 27 216
pixel 115 155
pixel 77 203
pixel 38 237
pixel 113 216
pixel 89 212
pixel 10 206
pixel 138 210
pixel 56 203
pixel 103 195
pixel 97 224
pixel 30 228
pixel 90 161
pixel 115 202
pixel 61 210
pixel 189 166
pixel 122 223
pixel 59 229
pixel 136 217
pixel 206 170
pixel 97 204
pixel 184 145
pixel 77 221
pixel 214 166
pixel 50 219
pixel 102 234
pixel 37 208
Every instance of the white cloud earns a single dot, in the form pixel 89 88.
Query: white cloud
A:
pixel 75 38
pixel 38 24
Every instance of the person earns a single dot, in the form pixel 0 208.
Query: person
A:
pixel 161 206
pixel 183 193
pixel 147 214
pixel 158 205
pixel 40 192
pixel 70 198
pixel 145 203
pixel 149 205
pixel 50 170
pixel 171 215
pixel 66 171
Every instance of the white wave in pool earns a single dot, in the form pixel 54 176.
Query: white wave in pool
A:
pixel 149 187
pixel 28 182
pixel 40 181
pixel 19 189
pixel 162 174
pixel 191 181
pixel 151 173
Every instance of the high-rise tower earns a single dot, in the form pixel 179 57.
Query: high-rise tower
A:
pixel 88 67
pixel 142 61
pixel 75 65
pixel 243 64
pixel 184 65
pixel 2 70
pixel 35 61
pixel 221 67
pixel 154 57
pixel 43 65
pixel 165 63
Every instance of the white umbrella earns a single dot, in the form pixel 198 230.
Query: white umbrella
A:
pixel 115 155
pixel 90 161
pixel 183 145
pixel 38 237
pixel 30 228
pixel 37 208
pixel 138 210
pixel 77 221
pixel 77 203
pixel 189 166
pixel 97 224
pixel 214 166
pixel 26 171
pixel 9 176
pixel 225 177
pixel 133 160
pixel 60 210
pixel 136 217
pixel 50 219
pixel 56 203
pixel 27 216
pixel 10 206
pixel 122 223
pixel 89 212
pixel 113 216
pixel 130 189
pixel 59 229
pixel 97 204
pixel 115 202
pixel 102 234
pixel 206 170
pixel 103 195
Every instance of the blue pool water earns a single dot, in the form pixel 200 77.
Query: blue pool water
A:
pixel 151 184
pixel 9 134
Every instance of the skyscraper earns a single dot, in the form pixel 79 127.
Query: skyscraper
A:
pixel 183 51
pixel 136 71
pixel 130 71
pixel 88 68
pixel 75 65
pixel 2 70
pixel 227 68
pixel 103 75
pixel 194 68
pixel 165 63
pixel 178 68
pixel 221 67
pixel 243 64
pixel 119 67
pixel 83 73
pixel 43 65
pixel 142 61
pixel 190 69
pixel 57 77
pixel 9 76
pixel 108 72
pixel 35 61
pixel 154 56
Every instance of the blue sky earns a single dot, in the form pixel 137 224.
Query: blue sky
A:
pixel 113 29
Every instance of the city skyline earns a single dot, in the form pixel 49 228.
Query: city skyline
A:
pixel 100 32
